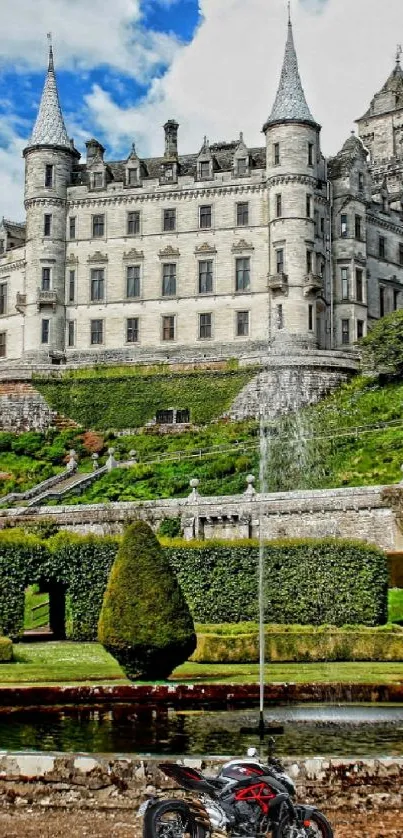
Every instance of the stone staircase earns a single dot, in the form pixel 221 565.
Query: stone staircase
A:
pixel 62 488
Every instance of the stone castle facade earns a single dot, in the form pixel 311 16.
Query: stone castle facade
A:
pixel 227 252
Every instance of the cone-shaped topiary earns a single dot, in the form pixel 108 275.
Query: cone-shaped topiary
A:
pixel 145 622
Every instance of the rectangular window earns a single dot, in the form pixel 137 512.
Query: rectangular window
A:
pixel 242 274
pixel 205 325
pixel 97 180
pixel 132 330
pixel 360 182
pixel 71 333
pixel 204 170
pixel 168 327
pixel 205 217
pixel 316 222
pixel 98 226
pixel 345 332
pixel 322 225
pixel 344 226
pixel 47 224
pixel 309 261
pixel 280 316
pixel 3 298
pixel 242 166
pixel 309 206
pixel 382 247
pixel 279 206
pixel 133 281
pixel 169 219
pixel 242 214
pixel 97 332
pixel 395 299
pixel 72 227
pixel 3 344
pixel 358 227
pixel 276 154
pixel 360 329
pixel 97 284
pixel 72 286
pixel 132 177
pixel 345 291
pixel 206 277
pixel 400 254
pixel 310 318
pixel 45 331
pixel 242 324
pixel 48 175
pixel 381 301
pixel 280 260
pixel 46 276
pixel 133 223
pixel 169 280
pixel 310 154
pixel 359 286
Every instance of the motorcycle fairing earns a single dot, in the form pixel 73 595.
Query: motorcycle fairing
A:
pixel 188 777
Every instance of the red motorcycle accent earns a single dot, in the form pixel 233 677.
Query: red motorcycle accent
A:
pixel 259 793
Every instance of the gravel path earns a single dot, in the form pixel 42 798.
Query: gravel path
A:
pixel 27 823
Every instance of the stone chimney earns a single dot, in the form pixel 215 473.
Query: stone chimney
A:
pixel 171 139
pixel 94 151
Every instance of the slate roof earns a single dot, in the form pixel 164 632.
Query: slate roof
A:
pixel 14 228
pixel 49 128
pixel 341 164
pixel 223 159
pixel 393 84
pixel 290 104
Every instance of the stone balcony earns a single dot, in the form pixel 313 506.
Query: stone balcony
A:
pixel 46 298
pixel 278 282
pixel 313 283
pixel 21 302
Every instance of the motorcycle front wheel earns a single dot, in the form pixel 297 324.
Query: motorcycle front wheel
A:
pixel 171 819
pixel 316 826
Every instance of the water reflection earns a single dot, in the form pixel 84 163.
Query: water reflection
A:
pixel 309 730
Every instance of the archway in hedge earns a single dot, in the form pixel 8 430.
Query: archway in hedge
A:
pixel 45 611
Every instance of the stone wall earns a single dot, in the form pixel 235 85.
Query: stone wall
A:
pixel 22 408
pixel 84 781
pixel 359 513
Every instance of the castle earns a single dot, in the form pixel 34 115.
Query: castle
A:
pixel 223 253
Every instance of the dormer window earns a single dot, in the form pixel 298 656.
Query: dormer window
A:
pixel 242 166
pixel 97 180
pixel 168 173
pixel 204 170
pixel 132 177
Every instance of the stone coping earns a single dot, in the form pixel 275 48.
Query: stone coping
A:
pixel 216 696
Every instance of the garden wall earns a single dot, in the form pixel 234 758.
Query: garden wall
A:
pixel 110 782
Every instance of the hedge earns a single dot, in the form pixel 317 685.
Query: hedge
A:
pixel 309 582
pixel 6 650
pixel 302 643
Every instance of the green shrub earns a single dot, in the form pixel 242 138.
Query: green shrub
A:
pixel 310 581
pixel 299 644
pixel 6 650
pixel 170 528
pixel 145 622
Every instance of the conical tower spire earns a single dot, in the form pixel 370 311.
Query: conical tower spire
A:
pixel 49 128
pixel 290 104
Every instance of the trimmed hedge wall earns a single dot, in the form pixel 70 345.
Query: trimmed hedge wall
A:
pixel 300 643
pixel 309 582
pixel 6 650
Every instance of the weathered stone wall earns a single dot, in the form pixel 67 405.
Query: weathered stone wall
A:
pixel 359 513
pixel 84 781
pixel 22 408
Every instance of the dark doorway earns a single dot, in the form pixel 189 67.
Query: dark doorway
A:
pixel 45 612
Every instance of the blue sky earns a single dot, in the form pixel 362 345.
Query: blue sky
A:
pixel 125 67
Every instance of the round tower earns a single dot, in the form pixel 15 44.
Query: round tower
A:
pixel 293 164
pixel 49 159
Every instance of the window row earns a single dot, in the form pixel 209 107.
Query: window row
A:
pixel 310 212
pixel 277 156
pixel 169 271
pixel 388 302
pixel 132 328
pixel 352 288
pixel 169 221
pixel 347 334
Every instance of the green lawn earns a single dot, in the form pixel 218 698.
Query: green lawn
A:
pixel 71 663
pixel 396 605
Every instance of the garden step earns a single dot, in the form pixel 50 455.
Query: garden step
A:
pixel 39 635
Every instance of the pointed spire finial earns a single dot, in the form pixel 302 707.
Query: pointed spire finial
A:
pixel 289 13
pixel 51 67
pixel 49 128
pixel 399 52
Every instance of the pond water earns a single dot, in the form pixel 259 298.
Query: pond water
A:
pixel 309 730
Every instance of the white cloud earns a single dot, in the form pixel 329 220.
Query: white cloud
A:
pixel 85 34
pixel 11 171
pixel 225 80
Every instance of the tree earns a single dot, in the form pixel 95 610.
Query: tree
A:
pixel 383 345
pixel 145 622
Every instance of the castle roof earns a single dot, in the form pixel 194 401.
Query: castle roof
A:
pixel 14 228
pixel 352 149
pixel 49 128
pixel 390 96
pixel 290 104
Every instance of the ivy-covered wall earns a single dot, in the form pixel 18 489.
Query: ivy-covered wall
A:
pixel 308 582
pixel 129 399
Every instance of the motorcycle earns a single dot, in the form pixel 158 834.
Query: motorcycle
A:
pixel 248 798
